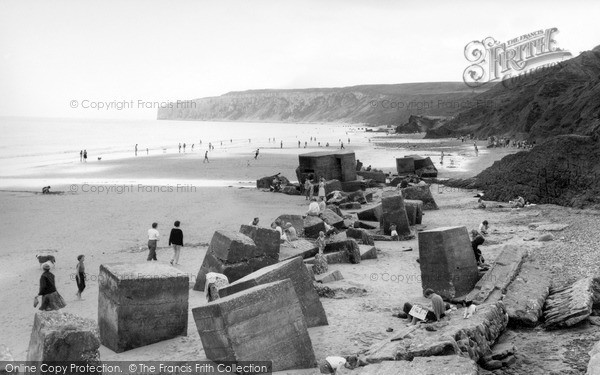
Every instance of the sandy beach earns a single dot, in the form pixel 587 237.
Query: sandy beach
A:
pixel 109 225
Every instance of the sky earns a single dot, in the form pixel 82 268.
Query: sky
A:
pixel 56 56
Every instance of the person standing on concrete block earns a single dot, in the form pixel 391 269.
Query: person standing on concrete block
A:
pixel 153 237
pixel 80 275
pixel 322 188
pixel 176 239
pixel 51 300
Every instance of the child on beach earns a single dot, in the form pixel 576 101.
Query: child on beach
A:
pixel 394 232
pixel 321 241
pixel 322 188
pixel 80 275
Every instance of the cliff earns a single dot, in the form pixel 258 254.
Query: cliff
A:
pixel 562 99
pixel 365 104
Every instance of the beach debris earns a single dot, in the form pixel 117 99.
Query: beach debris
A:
pixel 414 211
pixel 422 193
pixel 447 261
pixel 271 314
pixel 349 246
pixel 492 286
pixel 358 196
pixel 156 294
pixel 367 252
pixel 393 213
pixel 236 255
pixel 526 294
pixel 58 336
pixel 424 167
pixel 330 277
pixel 405 165
pixel 294 270
pixel 569 305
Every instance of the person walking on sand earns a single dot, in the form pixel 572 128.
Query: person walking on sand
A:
pixel 136 149
pixel 256 153
pixel 281 144
pixel 80 156
pixel 322 188
pixel 153 236
pixel 206 157
pixel 180 148
pixel 476 149
pixel 51 300
pixel 176 239
pixel 85 156
pixel 184 148
pixel 80 275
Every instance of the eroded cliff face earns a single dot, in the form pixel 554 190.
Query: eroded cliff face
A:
pixel 367 104
pixel 562 99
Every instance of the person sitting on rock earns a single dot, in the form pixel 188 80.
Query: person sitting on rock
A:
pixel 291 233
pixel 483 227
pixel 313 208
pixel 517 203
pixel 434 314
pixel 470 309
pixel 477 240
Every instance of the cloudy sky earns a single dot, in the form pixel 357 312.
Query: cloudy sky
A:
pixel 53 52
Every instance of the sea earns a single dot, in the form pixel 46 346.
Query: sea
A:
pixel 29 145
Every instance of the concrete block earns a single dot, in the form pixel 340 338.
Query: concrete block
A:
pixel 333 219
pixel 422 193
pixel 350 186
pixel 140 304
pixel 332 185
pixel 266 239
pixel 526 294
pixel 371 213
pixel 264 323
pixel 367 252
pixel 312 226
pixel 233 247
pixel 295 270
pixel 350 246
pixel 61 337
pixel 350 206
pixel 303 248
pixel 394 212
pixel 417 206
pixel 361 235
pixel 296 220
pixel 373 175
pixel 405 165
pixel 329 277
pixel 447 261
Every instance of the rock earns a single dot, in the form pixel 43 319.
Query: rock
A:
pixel 324 291
pixel 393 213
pixel 546 237
pixel 361 235
pixel 570 305
pixel 266 182
pixel 395 181
pixel 320 264
pixel 271 314
pixel 377 176
pixel 360 224
pixel 350 246
pixel 503 350
pixel 312 226
pixel 294 270
pixel 63 337
pixel 447 261
pixel 492 365
pixel 443 364
pixel 141 304
pixel 421 193
pixel 357 196
pixel 424 167
pixel 333 219
pixel 593 367
pixel 336 210
pixel 291 190
pixel 367 252
pixel 330 277
pixel 267 240
pixel 370 214
pixel 493 285
pixel 525 296
pixel 332 185
pixel 547 226
pixel 350 206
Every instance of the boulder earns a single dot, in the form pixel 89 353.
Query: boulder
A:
pixel 269 314
pixel 329 277
pixel 393 213
pixel 63 337
pixel 525 296
pixel 421 193
pixel 570 305
pixel 291 190
pixel 361 235
pixel 294 270
pixel 141 304
pixel 312 226
pixel 332 185
pixel 371 213
pixel 447 261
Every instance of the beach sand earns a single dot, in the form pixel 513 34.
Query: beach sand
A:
pixel 109 226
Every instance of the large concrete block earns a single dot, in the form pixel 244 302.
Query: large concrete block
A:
pixel 332 185
pixel 333 219
pixel 140 304
pixel 361 235
pixel 58 336
pixel 447 261
pixel 350 246
pixel 233 247
pixel 422 193
pixel 526 294
pixel 416 206
pixel 301 247
pixel 349 186
pixel 296 220
pixel 294 270
pixel 405 166
pixel 370 214
pixel 312 226
pixel 373 175
pixel 394 212
pixel 264 323
pixel 266 239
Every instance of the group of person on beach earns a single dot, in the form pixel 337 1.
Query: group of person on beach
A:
pixel 175 240
pixel 50 298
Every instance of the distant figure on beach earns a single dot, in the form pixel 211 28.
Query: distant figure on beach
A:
pixel 437 311
pixel 256 153
pixel 46 190
pixel 206 157
pixel 176 239
pixel 322 188
pixel 85 156
pixel 305 143
pixel 51 300
pixel 368 168
pixel 136 149
pixel 281 144
pixel 313 208
pixel 359 165
pixel 442 158
pixel 146 150
pixel 322 205
pixel 80 155
pixel 153 236
pixel 517 203
pixel 184 148
pixel 298 144
pixel 254 221
pixel 342 146
pixel 308 189
pixel 180 148
pixel 321 242
pixel 476 149
pixel 80 275
pixel 192 147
